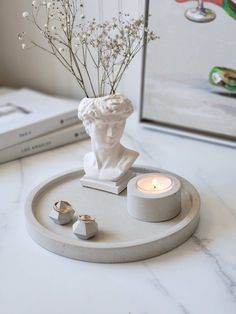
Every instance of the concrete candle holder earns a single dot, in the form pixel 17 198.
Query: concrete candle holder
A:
pixel 85 227
pixel 154 197
pixel 62 213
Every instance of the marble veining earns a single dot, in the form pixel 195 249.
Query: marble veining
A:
pixel 197 277
pixel 219 265
pixel 159 286
pixel 223 202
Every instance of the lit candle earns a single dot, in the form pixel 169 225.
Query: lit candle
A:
pixel 154 197
pixel 157 183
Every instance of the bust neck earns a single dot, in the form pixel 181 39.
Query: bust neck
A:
pixel 107 157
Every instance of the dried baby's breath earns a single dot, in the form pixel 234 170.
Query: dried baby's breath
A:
pixel 77 43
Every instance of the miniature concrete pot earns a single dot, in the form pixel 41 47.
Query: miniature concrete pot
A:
pixel 85 227
pixel 62 213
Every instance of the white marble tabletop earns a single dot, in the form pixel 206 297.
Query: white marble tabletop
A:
pixel 197 277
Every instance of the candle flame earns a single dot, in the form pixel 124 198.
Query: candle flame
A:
pixel 154 183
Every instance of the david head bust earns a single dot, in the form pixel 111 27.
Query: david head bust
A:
pixel 104 119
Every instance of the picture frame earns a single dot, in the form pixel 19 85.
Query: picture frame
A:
pixel 176 95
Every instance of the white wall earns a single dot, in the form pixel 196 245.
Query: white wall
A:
pixel 35 69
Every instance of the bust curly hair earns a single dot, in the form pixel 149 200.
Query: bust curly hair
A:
pixel 107 108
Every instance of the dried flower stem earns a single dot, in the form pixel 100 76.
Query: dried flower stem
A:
pixel 109 47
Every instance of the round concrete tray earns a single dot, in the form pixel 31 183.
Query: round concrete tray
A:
pixel 121 238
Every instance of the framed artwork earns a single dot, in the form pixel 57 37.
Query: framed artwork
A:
pixel 189 73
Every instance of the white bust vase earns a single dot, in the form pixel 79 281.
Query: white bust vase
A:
pixel 104 119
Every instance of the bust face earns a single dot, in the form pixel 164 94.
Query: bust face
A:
pixel 107 134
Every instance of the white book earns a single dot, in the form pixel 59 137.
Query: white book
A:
pixel 51 140
pixel 26 114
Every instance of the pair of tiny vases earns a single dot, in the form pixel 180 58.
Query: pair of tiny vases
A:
pixel 63 213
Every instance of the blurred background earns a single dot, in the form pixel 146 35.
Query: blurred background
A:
pixel 177 90
pixel 36 69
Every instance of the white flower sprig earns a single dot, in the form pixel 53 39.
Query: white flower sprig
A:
pixel 109 46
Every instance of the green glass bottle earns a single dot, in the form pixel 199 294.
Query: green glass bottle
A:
pixel 230 7
pixel 223 77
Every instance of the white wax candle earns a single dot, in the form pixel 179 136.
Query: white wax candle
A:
pixel 155 183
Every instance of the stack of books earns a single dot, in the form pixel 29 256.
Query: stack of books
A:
pixel 31 122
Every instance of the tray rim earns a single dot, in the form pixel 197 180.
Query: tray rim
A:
pixel 40 189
